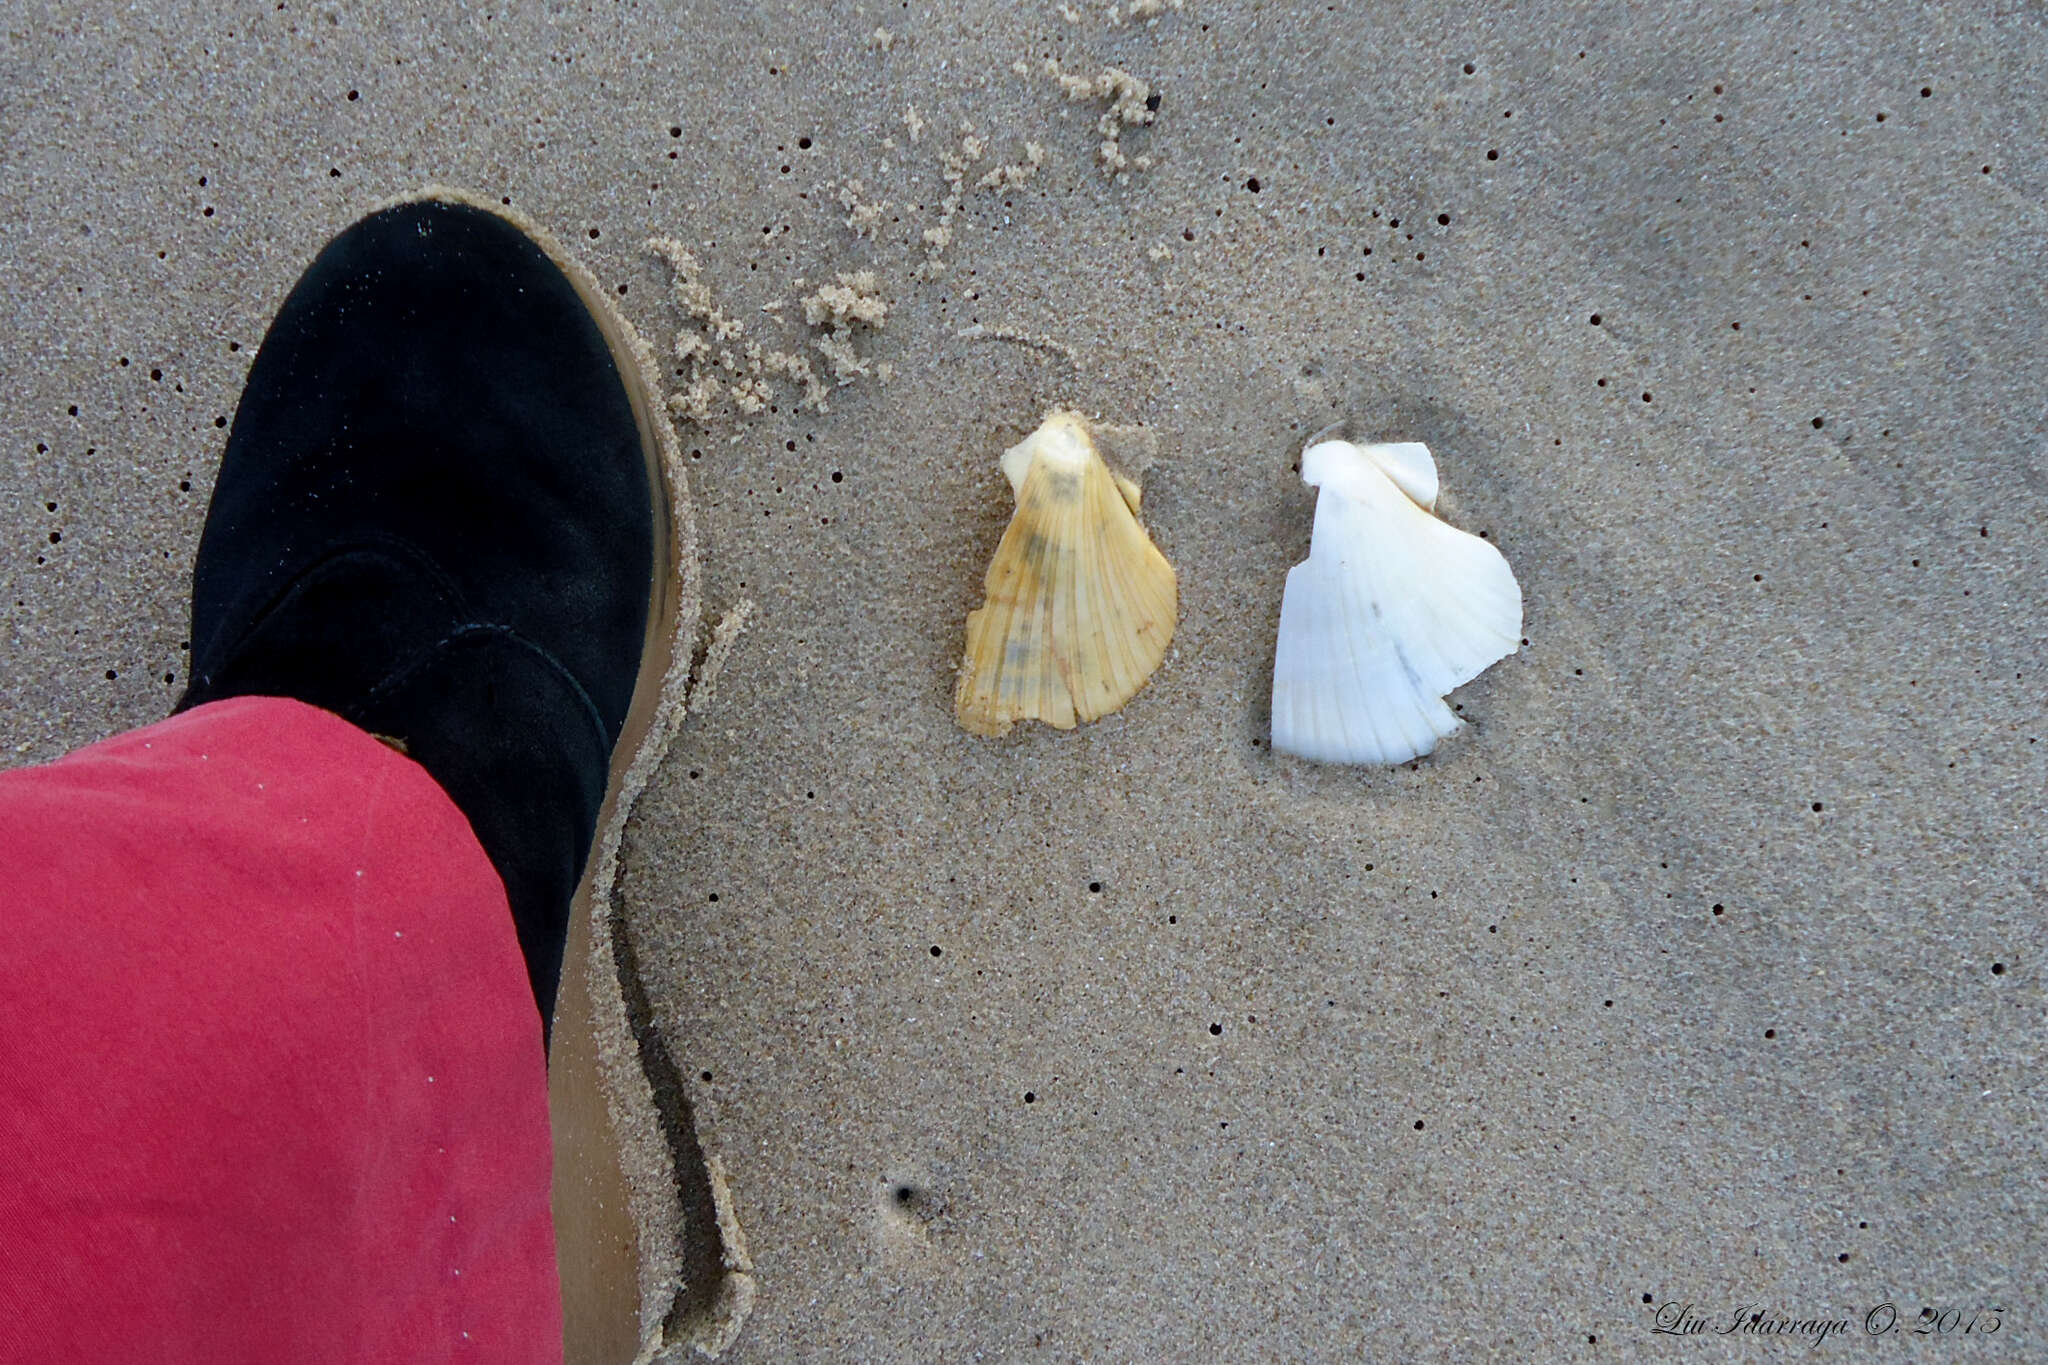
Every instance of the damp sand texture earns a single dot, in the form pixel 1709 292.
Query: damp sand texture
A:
pixel 1702 967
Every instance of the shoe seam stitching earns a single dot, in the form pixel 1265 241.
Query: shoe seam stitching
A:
pixel 427 654
pixel 418 559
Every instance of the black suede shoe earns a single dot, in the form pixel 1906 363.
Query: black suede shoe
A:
pixel 441 515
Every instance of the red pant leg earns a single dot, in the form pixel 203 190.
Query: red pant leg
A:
pixel 271 1077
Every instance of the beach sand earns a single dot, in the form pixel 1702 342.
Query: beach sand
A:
pixel 1703 969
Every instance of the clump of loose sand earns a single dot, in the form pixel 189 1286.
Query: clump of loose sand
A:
pixel 1147 12
pixel 723 372
pixel 1128 103
pixel 954 166
pixel 721 367
pixel 855 300
pixel 850 306
pixel 864 217
pixel 1016 172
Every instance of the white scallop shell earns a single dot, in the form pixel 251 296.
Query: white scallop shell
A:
pixel 1391 610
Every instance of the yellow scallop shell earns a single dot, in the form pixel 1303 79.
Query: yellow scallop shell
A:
pixel 1080 603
